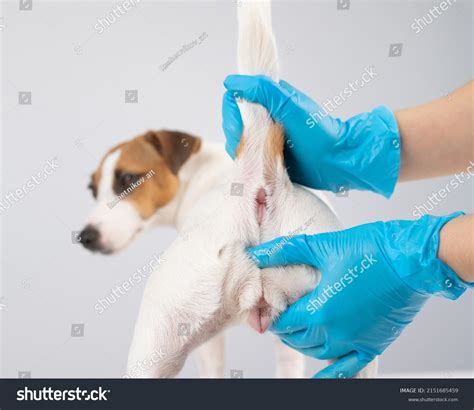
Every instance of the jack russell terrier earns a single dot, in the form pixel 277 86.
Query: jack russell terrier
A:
pixel 207 281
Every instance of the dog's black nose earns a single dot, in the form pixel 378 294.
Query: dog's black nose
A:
pixel 90 238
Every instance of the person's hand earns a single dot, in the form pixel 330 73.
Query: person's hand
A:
pixel 321 152
pixel 375 279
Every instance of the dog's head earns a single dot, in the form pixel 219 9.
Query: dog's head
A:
pixel 131 184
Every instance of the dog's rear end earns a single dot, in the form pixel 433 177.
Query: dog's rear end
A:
pixel 259 156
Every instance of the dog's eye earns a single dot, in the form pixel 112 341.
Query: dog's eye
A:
pixel 127 179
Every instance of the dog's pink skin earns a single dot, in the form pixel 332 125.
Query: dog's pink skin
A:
pixel 259 318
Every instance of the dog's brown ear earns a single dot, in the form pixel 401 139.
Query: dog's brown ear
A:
pixel 174 146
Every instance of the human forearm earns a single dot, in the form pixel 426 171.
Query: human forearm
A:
pixel 437 138
pixel 456 246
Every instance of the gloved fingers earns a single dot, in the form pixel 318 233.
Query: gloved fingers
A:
pixel 288 87
pixel 305 339
pixel 323 351
pixel 286 250
pixel 346 366
pixel 301 100
pixel 231 122
pixel 258 89
pixel 316 352
pixel 293 319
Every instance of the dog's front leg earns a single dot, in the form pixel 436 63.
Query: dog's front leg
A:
pixel 160 346
pixel 211 358
pixel 163 340
pixel 181 309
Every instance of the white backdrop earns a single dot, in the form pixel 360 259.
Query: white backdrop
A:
pixel 77 79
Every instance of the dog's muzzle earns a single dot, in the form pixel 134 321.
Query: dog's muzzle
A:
pixel 90 238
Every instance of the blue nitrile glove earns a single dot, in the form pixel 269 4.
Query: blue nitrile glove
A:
pixel 321 152
pixel 375 279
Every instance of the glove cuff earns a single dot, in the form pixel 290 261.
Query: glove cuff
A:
pixel 375 141
pixel 427 274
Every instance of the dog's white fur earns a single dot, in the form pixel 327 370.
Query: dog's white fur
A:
pixel 119 227
pixel 207 281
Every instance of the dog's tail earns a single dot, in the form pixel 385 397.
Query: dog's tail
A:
pixel 257 52
pixel 260 152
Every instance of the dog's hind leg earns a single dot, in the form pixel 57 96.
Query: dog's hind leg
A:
pixel 290 363
pixel 211 358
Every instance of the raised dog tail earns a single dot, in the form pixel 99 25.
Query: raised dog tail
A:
pixel 260 152
pixel 257 51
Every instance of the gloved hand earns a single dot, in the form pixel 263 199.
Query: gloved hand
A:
pixel 375 279
pixel 321 152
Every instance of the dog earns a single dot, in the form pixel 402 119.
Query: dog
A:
pixel 183 169
pixel 207 281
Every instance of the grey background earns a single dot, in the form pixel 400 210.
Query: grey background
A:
pixel 77 79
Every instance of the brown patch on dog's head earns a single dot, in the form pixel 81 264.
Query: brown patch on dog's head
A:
pixel 175 147
pixel 147 169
